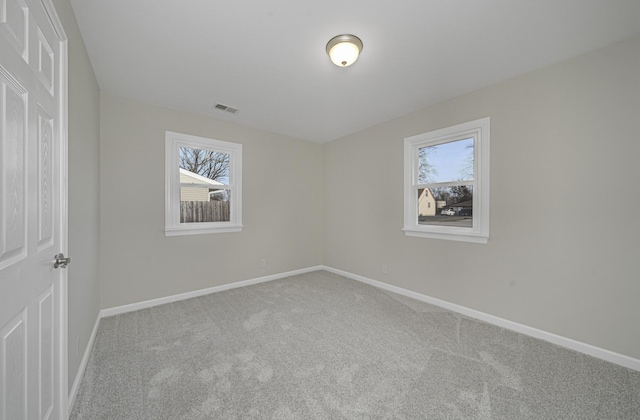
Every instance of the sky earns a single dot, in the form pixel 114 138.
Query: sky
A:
pixel 451 160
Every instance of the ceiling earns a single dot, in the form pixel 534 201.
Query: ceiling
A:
pixel 268 58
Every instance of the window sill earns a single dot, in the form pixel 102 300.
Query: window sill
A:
pixel 477 238
pixel 188 230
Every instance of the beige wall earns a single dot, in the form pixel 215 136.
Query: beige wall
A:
pixel 84 191
pixel 565 230
pixel 282 206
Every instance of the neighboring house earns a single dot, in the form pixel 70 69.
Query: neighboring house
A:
pixel 202 192
pixel 426 203
pixel 463 208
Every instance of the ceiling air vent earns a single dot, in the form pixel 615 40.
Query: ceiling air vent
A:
pixel 227 108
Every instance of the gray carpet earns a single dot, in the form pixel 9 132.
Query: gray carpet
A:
pixel 320 346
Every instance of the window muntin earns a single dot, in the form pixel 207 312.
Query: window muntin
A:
pixel 447 183
pixel 203 185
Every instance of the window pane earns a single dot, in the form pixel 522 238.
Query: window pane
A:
pixel 203 205
pixel 203 166
pixel 446 162
pixel 446 206
pixel 207 173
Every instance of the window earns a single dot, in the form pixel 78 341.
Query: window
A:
pixel 203 185
pixel 446 183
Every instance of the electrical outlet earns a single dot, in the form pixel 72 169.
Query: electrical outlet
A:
pixel 384 269
pixel 263 262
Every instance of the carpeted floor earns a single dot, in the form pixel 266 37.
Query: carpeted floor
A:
pixel 321 346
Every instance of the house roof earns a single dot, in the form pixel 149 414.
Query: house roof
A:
pixel 268 58
pixel 468 203
pixel 199 179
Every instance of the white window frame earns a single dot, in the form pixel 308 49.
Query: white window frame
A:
pixel 173 227
pixel 479 232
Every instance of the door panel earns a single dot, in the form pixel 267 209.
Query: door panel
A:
pixel 12 176
pixel 13 382
pixel 14 23
pixel 45 179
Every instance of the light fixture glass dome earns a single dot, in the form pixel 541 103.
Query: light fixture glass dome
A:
pixel 344 49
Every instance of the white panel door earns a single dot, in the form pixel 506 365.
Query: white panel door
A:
pixel 32 291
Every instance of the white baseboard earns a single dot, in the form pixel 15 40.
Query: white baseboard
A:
pixel 609 356
pixel 196 293
pixel 83 365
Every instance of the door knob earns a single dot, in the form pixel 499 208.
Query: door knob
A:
pixel 59 261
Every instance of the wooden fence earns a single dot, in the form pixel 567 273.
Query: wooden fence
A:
pixel 204 211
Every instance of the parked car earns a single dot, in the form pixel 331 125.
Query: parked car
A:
pixel 448 212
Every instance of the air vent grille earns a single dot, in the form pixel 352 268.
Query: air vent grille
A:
pixel 226 108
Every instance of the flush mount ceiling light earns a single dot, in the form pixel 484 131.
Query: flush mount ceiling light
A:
pixel 344 49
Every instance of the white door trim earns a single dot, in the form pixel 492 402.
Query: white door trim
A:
pixel 64 218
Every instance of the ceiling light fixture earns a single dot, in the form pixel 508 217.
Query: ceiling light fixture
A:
pixel 344 49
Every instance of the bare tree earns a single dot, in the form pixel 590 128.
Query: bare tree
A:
pixel 461 193
pixel 426 172
pixel 208 163
pixel 467 171
pixel 453 195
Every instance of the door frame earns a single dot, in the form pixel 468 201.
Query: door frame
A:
pixel 63 63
